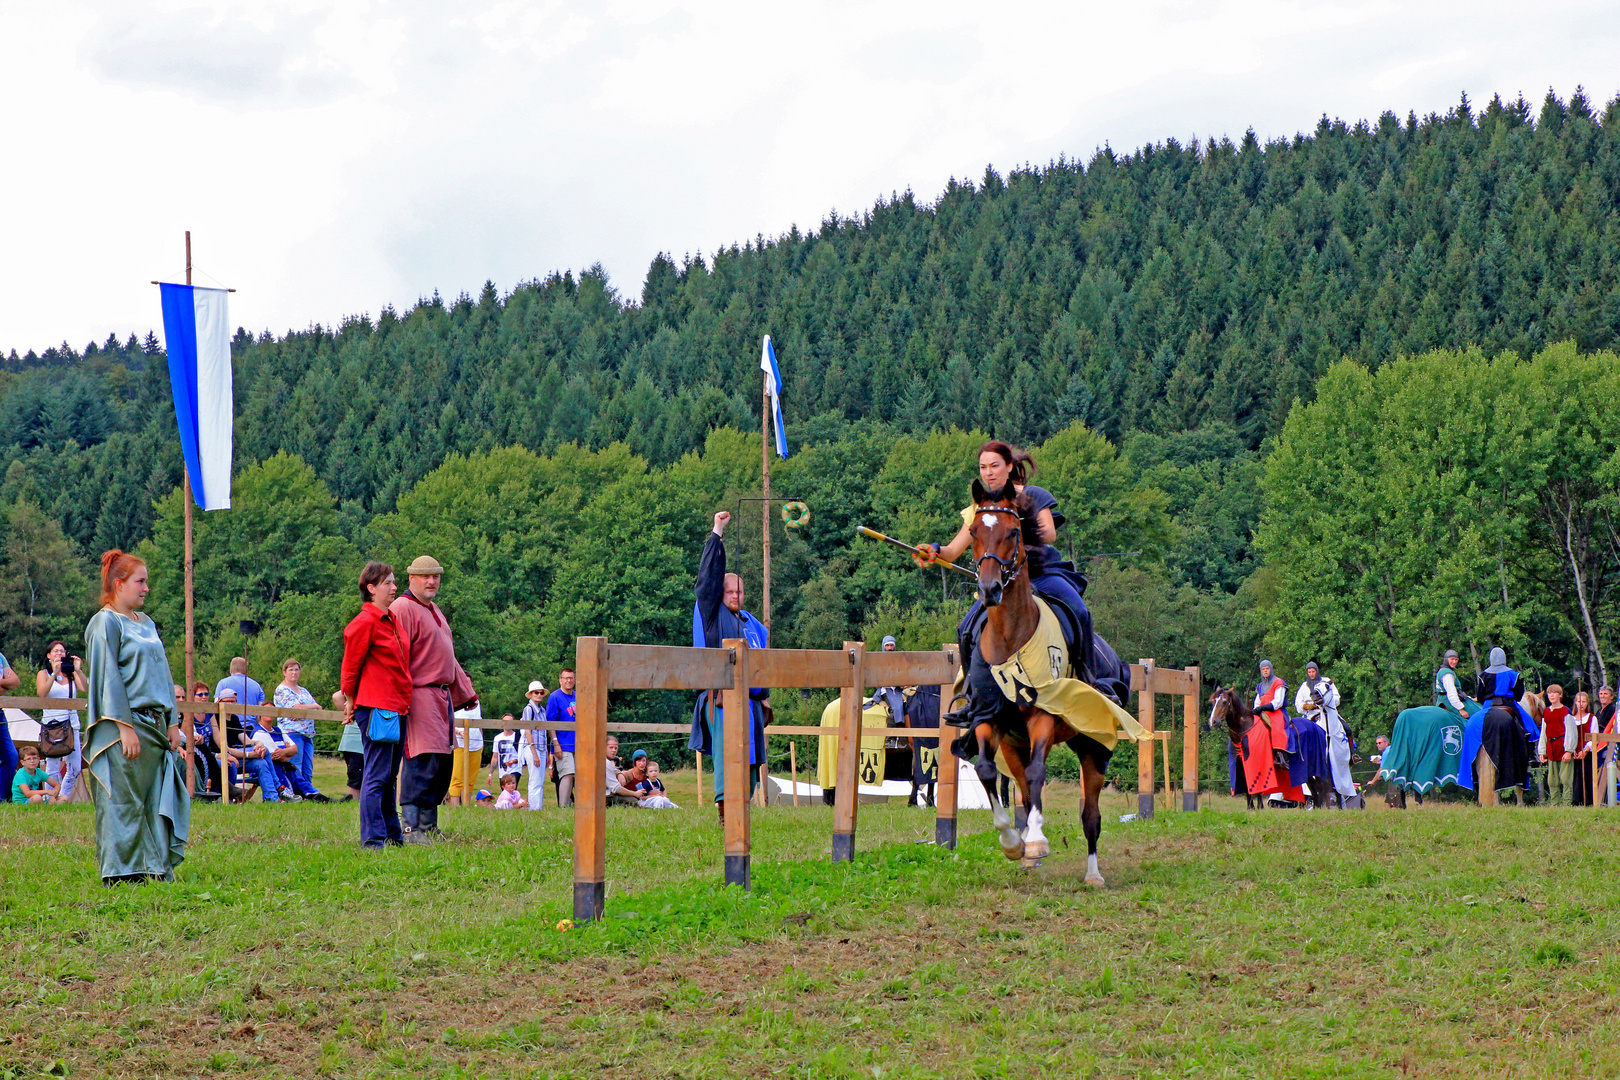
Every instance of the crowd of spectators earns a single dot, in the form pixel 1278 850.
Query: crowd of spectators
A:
pixel 273 759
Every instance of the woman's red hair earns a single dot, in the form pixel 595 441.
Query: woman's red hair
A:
pixel 116 566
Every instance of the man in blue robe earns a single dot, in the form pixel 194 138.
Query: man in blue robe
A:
pixel 718 615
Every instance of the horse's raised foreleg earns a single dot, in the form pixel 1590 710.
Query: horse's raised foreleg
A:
pixel 985 769
pixel 1091 813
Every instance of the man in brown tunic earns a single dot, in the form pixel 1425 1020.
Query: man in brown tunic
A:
pixel 439 686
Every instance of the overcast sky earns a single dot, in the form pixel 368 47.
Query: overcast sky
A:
pixel 337 156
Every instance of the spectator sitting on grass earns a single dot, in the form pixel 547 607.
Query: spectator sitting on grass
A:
pixel 32 784
pixel 652 785
pixel 617 795
pixel 506 757
pixel 633 777
pixel 642 778
pixel 509 798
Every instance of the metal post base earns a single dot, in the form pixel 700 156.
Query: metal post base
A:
pixel 1144 805
pixel 843 847
pixel 737 867
pixel 588 897
pixel 1189 801
pixel 945 832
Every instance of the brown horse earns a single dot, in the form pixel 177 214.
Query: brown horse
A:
pixel 1231 708
pixel 1000 546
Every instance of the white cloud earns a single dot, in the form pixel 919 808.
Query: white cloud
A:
pixel 332 157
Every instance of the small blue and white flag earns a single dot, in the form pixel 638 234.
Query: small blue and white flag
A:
pixel 197 335
pixel 773 379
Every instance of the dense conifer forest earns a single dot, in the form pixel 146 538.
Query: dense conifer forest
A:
pixel 1145 321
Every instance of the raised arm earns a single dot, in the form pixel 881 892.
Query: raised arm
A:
pixel 711 576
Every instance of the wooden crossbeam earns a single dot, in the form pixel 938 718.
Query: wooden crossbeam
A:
pixel 195 708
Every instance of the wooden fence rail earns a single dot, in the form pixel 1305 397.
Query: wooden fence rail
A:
pixel 734 669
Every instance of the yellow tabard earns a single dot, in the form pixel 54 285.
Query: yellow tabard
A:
pixel 871 765
pixel 1039 674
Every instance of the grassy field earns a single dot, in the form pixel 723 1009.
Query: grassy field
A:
pixel 1444 941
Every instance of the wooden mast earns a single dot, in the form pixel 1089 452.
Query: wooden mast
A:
pixel 191 667
pixel 765 515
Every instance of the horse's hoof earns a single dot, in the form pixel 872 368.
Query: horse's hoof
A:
pixel 1014 852
pixel 1040 849
pixel 1029 863
pixel 1095 881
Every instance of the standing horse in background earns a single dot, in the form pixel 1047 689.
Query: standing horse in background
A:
pixel 1044 704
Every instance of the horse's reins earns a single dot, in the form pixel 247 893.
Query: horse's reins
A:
pixel 1019 558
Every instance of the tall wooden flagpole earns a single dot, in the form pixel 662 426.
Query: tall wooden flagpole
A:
pixel 765 461
pixel 191 673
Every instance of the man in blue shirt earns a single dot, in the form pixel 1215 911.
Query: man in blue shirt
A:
pixel 560 710
pixel 248 692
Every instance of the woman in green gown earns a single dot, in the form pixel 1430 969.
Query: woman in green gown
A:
pixel 131 749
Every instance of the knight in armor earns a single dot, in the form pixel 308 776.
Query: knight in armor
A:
pixel 1054 579
pixel 1502 728
pixel 1448 693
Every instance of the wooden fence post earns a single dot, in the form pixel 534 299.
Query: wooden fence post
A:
pixel 590 776
pixel 738 738
pixel 949 770
pixel 846 801
pixel 1191 718
pixel 1144 748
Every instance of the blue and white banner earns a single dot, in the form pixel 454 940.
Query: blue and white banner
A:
pixel 197 335
pixel 773 376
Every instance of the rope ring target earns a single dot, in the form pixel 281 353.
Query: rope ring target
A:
pixel 795 515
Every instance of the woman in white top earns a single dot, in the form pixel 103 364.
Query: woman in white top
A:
pixel 290 695
pixel 57 683
pixel 533 745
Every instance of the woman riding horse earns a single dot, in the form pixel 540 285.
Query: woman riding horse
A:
pixel 1032 673
pixel 999 466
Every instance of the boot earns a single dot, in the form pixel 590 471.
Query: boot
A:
pixel 410 822
pixel 962 715
pixel 430 824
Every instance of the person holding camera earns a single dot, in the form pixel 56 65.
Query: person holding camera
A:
pixel 62 677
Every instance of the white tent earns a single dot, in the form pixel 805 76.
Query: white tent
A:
pixel 23 728
pixel 969 792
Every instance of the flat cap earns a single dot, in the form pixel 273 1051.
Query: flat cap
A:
pixel 423 565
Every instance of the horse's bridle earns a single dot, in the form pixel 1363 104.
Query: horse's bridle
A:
pixel 1010 568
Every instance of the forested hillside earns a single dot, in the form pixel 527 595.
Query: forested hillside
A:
pixel 562 444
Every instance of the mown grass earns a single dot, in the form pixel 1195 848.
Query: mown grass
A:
pixel 1447 941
